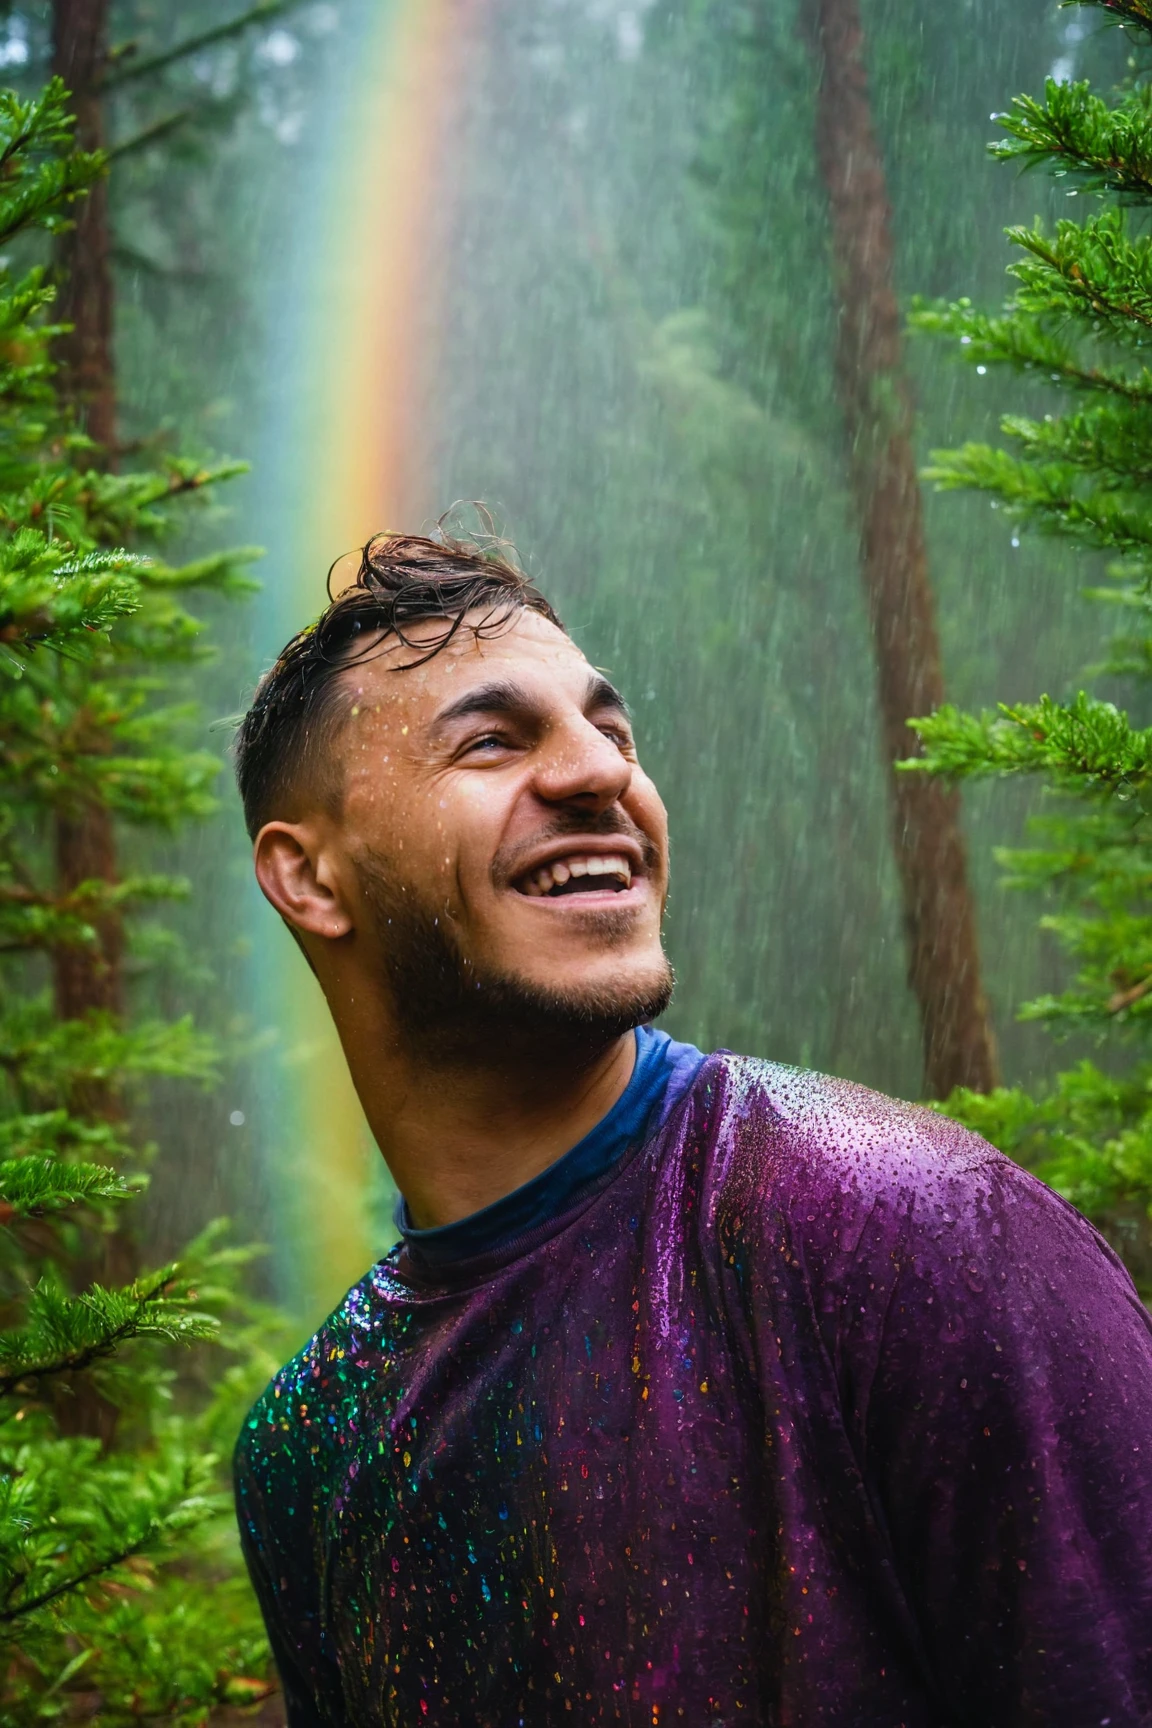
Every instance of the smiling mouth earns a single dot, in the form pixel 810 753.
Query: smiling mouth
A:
pixel 578 873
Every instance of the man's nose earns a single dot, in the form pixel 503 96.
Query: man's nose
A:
pixel 579 765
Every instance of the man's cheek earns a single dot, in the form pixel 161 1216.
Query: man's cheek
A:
pixel 471 835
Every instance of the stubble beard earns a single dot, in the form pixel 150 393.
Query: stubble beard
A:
pixel 450 1010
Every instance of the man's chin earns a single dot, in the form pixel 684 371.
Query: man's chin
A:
pixel 612 1003
pixel 519 1018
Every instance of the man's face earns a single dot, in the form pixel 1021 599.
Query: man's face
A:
pixel 511 853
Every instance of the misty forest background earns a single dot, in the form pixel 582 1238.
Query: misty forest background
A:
pixel 637 366
pixel 706 283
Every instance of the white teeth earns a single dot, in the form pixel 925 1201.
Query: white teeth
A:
pixel 558 873
pixel 610 865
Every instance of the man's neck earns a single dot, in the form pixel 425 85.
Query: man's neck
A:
pixel 458 1137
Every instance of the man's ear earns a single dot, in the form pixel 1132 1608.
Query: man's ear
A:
pixel 298 875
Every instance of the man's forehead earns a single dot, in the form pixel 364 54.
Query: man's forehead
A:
pixel 531 648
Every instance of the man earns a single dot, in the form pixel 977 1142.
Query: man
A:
pixel 699 1390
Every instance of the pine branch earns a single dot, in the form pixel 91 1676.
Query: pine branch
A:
pixel 149 135
pixel 1093 272
pixel 155 784
pixel 1047 497
pixel 69 1517
pixel 1106 149
pixel 128 69
pixel 116 506
pixel 51 598
pixel 1137 13
pixel 1109 443
pixel 155 1649
pixel 49 1059
pixel 34 920
pixel 1098 854
pixel 37 1187
pixel 220 572
pixel 1127 657
pixel 58 1134
pixel 71 1582
pixel 1086 746
pixel 40 176
pixel 1129 997
pixel 1024 344
pixel 66 1334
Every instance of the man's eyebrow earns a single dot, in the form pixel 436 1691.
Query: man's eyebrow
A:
pixel 601 694
pixel 503 696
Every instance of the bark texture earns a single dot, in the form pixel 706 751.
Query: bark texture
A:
pixel 90 977
pixel 87 978
pixel 943 954
pixel 83 254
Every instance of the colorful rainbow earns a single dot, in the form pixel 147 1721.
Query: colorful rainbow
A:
pixel 360 435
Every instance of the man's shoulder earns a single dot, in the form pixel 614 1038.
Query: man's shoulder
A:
pixel 820 1124
pixel 307 1409
pixel 798 1142
pixel 836 1183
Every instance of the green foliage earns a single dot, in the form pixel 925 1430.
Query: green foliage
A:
pixel 1028 346
pixel 121 1597
pixel 1138 13
pixel 1079 321
pixel 34 1187
pixel 1104 146
pixel 42 176
pixel 1090 1137
pixel 1085 746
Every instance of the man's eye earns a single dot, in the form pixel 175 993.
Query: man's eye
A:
pixel 486 743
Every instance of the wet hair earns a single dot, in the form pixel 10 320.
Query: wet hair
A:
pixel 285 741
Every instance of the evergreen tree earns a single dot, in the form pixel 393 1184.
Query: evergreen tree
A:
pixel 127 77
pixel 120 1593
pixel 1079 466
pixel 202 105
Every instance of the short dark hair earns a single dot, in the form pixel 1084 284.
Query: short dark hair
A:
pixel 402 580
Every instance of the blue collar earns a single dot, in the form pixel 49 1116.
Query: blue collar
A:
pixel 663 1072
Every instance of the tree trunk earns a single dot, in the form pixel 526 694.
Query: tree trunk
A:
pixel 83 263
pixel 943 957
pixel 87 979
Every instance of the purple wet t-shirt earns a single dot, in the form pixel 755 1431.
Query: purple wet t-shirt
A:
pixel 799 1407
